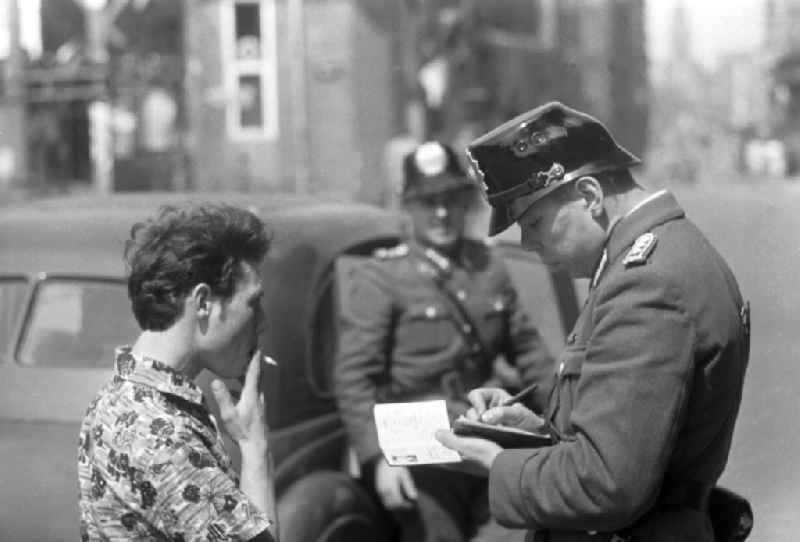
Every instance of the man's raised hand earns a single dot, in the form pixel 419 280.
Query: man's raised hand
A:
pixel 245 420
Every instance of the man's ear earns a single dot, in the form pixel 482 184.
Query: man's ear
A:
pixel 200 298
pixel 591 192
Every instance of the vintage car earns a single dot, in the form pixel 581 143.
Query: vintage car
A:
pixel 64 307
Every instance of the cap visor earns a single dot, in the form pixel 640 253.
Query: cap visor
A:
pixel 500 220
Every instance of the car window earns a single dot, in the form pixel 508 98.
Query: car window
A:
pixel 323 332
pixel 12 299
pixel 77 323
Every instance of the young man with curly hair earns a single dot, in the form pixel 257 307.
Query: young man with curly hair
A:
pixel 151 463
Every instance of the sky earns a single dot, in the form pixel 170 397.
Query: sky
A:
pixel 717 27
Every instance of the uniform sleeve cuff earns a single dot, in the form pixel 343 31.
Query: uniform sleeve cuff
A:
pixel 508 498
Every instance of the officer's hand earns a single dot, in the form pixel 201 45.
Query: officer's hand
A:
pixel 245 420
pixel 482 399
pixel 515 415
pixel 478 453
pixel 395 486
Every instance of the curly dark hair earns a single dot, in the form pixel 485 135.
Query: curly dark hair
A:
pixel 182 246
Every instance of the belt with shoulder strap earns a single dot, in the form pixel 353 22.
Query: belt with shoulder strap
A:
pixel 685 494
pixel 674 494
pixel 678 494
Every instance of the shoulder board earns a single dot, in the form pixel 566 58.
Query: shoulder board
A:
pixel 397 251
pixel 641 249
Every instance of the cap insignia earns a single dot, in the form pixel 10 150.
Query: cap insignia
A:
pixel 528 143
pixel 640 250
pixel 543 179
pixel 431 159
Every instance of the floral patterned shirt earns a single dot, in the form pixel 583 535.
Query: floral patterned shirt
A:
pixel 151 463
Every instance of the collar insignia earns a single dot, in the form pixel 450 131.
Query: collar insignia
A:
pixel 640 250
pixel 437 258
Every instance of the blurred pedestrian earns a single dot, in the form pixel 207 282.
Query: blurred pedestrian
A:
pixel 648 387
pixel 427 319
pixel 151 462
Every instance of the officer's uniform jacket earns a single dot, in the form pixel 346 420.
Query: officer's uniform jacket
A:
pixel 647 389
pixel 399 339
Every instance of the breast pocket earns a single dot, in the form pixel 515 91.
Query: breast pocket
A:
pixel 426 328
pixel 496 314
pixel 568 373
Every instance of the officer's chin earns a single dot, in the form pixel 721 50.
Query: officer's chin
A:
pixel 551 264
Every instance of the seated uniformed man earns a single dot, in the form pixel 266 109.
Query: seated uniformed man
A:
pixel 424 320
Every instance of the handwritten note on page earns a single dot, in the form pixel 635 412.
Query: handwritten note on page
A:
pixel 405 432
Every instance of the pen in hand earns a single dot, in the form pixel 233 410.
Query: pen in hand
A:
pixel 519 418
pixel 519 396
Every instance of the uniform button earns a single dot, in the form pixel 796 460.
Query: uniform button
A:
pixel 461 295
pixel 467 328
pixel 498 305
pixel 430 312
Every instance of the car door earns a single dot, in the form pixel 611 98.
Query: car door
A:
pixel 550 296
pixel 57 357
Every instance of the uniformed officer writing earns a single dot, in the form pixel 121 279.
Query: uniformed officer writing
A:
pixel 648 387
pixel 423 320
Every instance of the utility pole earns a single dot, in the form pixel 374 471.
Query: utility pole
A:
pixel 300 144
pixel 101 148
pixel 13 136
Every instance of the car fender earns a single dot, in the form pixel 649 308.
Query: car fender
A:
pixel 330 506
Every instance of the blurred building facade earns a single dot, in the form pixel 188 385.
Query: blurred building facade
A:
pixel 99 86
pixel 721 121
pixel 312 96
pixel 782 52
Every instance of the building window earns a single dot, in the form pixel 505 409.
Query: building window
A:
pixel 250 67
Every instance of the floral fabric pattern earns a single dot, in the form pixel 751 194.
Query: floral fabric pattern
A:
pixel 152 466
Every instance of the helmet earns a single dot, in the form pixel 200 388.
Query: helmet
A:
pixel 432 168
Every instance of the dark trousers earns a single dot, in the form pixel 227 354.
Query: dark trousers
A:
pixel 450 508
pixel 669 524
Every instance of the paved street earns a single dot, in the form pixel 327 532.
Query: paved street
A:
pixel 757 228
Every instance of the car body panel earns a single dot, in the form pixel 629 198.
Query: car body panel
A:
pixel 41 407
